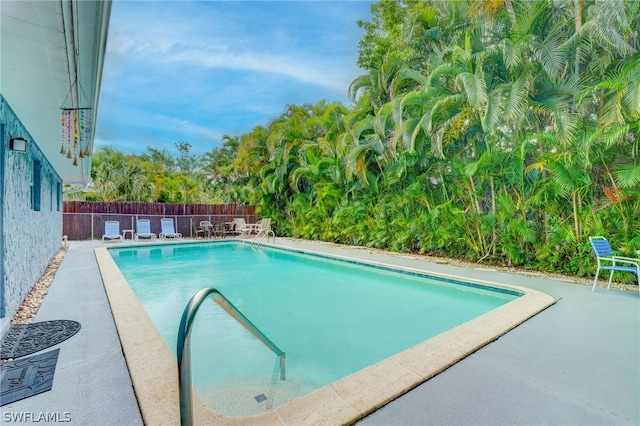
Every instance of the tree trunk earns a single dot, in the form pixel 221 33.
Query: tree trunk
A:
pixel 576 221
pixel 509 6
pixel 579 6
pixel 474 196
pixel 494 234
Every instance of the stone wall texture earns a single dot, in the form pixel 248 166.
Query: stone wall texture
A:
pixel 30 238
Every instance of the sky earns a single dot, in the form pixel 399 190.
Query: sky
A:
pixel 195 71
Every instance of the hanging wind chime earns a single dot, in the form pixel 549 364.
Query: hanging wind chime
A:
pixel 76 128
pixel 76 131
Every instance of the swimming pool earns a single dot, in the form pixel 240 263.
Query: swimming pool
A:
pixel 401 371
pixel 331 317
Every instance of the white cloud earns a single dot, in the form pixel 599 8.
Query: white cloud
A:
pixel 226 40
pixel 323 72
pixel 303 71
pixel 188 128
pixel 194 71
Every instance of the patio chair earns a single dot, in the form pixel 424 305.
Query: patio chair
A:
pixel 197 230
pixel 263 226
pixel 242 227
pixel 207 227
pixel 167 229
pixel 604 253
pixel 144 229
pixel 112 231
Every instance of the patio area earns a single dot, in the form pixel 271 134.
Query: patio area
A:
pixel 577 362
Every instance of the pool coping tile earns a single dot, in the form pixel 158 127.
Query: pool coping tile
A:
pixel 320 407
pixel 153 368
pixel 370 388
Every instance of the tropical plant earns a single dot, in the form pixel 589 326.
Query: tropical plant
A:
pixel 498 131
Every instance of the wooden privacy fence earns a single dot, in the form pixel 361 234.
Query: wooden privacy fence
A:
pixel 83 220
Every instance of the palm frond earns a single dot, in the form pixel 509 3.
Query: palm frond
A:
pixel 360 84
pixel 493 111
pixel 404 78
pixel 604 27
pixel 474 85
pixel 627 176
pixel 512 53
pixel 517 100
pixel 382 118
pixel 365 124
pixel 551 55
pixel 571 178
pixel 412 128
pixel 526 18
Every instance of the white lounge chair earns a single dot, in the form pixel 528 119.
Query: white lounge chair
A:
pixel 241 227
pixel 144 229
pixel 263 226
pixel 112 230
pixel 168 230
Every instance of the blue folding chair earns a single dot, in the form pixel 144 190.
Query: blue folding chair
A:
pixel 604 253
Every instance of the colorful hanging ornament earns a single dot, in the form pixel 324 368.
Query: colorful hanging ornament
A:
pixel 75 125
pixel 69 115
pixel 76 129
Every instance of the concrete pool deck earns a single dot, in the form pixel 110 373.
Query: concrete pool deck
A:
pixel 577 362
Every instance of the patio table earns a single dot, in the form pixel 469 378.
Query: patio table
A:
pixel 219 229
pixel 206 227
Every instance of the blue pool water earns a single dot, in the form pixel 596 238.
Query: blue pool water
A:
pixel 332 318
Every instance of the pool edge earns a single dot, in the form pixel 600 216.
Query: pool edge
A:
pixel 153 368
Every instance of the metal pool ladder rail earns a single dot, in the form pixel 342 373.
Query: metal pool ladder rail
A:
pixel 257 240
pixel 184 344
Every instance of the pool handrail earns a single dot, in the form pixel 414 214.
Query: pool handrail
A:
pixel 184 345
pixel 257 240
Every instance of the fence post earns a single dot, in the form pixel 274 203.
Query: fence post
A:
pixel 92 226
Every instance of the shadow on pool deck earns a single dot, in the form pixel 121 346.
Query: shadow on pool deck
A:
pixel 577 362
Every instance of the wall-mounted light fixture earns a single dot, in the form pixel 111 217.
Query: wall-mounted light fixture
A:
pixel 18 144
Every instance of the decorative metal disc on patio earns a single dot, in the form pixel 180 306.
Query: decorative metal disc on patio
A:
pixel 27 377
pixel 25 339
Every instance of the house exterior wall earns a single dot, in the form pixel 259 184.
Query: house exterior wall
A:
pixel 30 237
